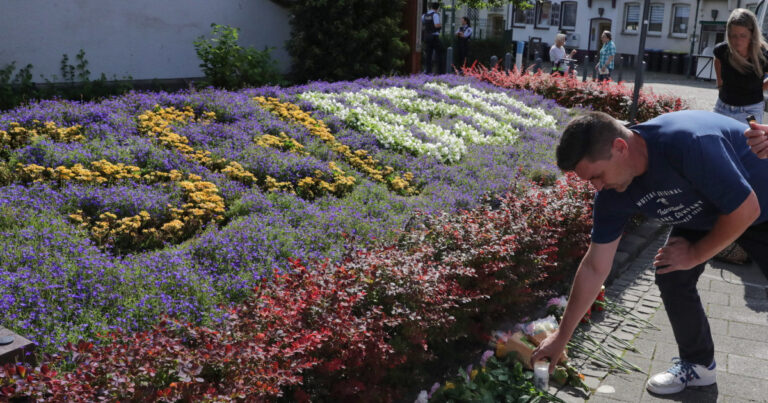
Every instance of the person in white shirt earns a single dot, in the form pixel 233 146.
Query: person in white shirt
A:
pixel 557 55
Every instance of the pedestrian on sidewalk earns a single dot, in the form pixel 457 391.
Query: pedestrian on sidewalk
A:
pixel 558 56
pixel 463 35
pixel 433 47
pixel 741 63
pixel 692 170
pixel 604 66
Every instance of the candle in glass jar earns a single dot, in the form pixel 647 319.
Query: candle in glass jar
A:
pixel 541 374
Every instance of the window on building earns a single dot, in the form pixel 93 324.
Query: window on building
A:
pixel 656 18
pixel 568 15
pixel 631 17
pixel 519 18
pixel 680 13
pixel 543 13
pixel 554 19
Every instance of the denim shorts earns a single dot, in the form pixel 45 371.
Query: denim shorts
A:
pixel 740 112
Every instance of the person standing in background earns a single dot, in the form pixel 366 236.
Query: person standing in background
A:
pixel 740 64
pixel 607 53
pixel 464 34
pixel 430 22
pixel 557 55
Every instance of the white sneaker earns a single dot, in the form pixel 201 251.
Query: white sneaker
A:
pixel 680 376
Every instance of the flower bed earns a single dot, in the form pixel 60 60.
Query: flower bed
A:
pixel 612 98
pixel 118 212
pixel 341 332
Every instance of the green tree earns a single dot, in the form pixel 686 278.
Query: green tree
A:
pixel 346 39
pixel 494 3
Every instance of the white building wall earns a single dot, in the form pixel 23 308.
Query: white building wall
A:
pixel 144 39
pixel 627 43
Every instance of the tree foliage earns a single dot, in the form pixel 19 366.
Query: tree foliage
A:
pixel 494 3
pixel 346 39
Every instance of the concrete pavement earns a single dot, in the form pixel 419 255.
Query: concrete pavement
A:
pixel 700 94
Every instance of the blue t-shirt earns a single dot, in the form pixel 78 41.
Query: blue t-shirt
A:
pixel 699 167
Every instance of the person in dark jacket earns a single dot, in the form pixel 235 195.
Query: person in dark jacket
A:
pixel 430 22
pixel 463 35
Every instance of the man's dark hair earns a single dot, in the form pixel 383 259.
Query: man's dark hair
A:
pixel 434 5
pixel 588 136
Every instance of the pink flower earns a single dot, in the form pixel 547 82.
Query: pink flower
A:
pixel 486 355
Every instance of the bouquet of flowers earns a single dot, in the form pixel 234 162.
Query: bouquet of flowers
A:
pixel 523 342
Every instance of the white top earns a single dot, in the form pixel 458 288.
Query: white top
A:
pixel 467 31
pixel 556 54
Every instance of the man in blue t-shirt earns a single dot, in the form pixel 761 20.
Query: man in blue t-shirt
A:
pixel 692 170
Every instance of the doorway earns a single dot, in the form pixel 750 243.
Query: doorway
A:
pixel 597 27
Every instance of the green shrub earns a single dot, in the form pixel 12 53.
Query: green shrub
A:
pixel 75 83
pixel 346 39
pixel 228 65
pixel 16 88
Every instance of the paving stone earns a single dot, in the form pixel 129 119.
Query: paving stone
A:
pixel 649 304
pixel 633 290
pixel 714 297
pixel 721 359
pixel 741 386
pixel 594 372
pixel 569 396
pixel 755 304
pixel 737 314
pixel 640 285
pixel 645 349
pixel 748 366
pixel 747 331
pixel 624 335
pixel 628 387
pixel 718 326
pixel 643 315
pixel 620 259
pixel 753 348
pixel 665 352
pixel 729 288
pixel 592 382
pixel 704 284
pixel 732 399
pixel 628 300
pixel 704 394
pixel 646 310
pixel 654 292
pixel 17 350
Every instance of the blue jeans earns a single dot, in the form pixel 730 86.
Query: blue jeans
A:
pixel 740 112
pixel 683 304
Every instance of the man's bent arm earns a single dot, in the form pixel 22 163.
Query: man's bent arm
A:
pixel 592 272
pixel 680 255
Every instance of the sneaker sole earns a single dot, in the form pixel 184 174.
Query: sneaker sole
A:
pixel 661 391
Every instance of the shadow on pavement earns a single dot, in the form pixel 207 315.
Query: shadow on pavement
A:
pixel 702 394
